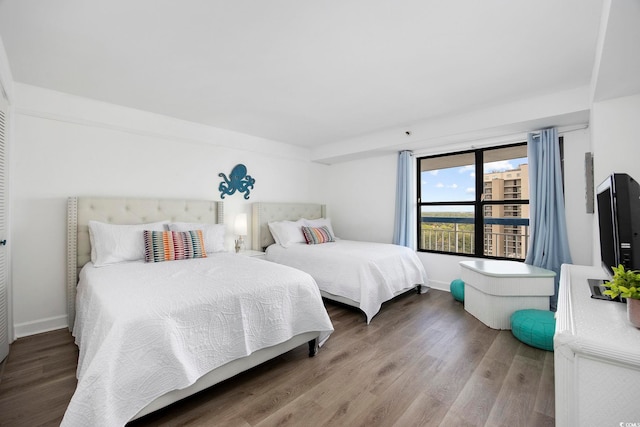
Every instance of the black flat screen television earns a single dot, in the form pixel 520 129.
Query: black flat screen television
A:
pixel 618 199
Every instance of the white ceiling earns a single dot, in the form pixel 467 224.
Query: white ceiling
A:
pixel 302 72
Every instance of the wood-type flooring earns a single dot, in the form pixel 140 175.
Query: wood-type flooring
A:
pixel 423 361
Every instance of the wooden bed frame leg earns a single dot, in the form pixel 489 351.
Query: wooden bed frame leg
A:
pixel 313 347
pixel 419 289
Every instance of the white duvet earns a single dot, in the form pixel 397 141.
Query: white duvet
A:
pixel 144 329
pixel 365 272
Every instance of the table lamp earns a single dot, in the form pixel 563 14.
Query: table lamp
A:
pixel 240 228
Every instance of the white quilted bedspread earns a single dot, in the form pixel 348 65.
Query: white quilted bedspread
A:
pixel 144 329
pixel 365 272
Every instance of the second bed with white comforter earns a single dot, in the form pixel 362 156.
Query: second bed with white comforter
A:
pixel 365 272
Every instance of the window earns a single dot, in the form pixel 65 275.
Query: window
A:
pixel 475 203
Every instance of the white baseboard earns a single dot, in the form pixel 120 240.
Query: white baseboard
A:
pixel 39 326
pixel 439 285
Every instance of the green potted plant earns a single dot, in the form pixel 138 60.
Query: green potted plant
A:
pixel 626 284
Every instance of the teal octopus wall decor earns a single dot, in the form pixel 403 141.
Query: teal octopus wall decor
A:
pixel 238 181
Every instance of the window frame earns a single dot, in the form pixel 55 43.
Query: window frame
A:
pixel 478 204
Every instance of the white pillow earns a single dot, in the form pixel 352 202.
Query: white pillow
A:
pixel 114 243
pixel 320 222
pixel 212 234
pixel 286 233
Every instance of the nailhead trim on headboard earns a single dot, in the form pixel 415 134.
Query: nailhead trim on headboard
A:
pixel 80 210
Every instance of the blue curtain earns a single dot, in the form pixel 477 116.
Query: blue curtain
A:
pixel 549 245
pixel 404 227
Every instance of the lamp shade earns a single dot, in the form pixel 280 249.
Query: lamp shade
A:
pixel 240 224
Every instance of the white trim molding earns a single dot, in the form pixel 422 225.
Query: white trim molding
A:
pixel 39 326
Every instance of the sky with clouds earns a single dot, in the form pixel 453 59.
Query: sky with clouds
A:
pixel 458 183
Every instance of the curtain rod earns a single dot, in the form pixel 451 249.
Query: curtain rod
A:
pixel 561 129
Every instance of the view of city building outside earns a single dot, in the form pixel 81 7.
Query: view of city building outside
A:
pixel 450 182
pixel 510 238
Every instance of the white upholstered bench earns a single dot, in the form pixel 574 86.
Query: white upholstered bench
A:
pixel 495 289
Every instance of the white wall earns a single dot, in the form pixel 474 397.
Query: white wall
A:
pixel 576 144
pixel 360 198
pixel 6 94
pixel 361 201
pixel 616 143
pixel 67 146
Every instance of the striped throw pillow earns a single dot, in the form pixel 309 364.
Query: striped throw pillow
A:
pixel 316 235
pixel 173 245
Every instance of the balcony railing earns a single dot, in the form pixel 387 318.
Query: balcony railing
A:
pixel 510 244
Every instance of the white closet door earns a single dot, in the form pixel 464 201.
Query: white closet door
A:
pixel 4 307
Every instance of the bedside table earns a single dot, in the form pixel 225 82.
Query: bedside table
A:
pixel 252 254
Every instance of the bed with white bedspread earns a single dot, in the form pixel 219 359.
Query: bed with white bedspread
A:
pixel 151 333
pixel 360 274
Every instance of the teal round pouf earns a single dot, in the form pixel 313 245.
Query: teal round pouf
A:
pixel 457 289
pixel 534 327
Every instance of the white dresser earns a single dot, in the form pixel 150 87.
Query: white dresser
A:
pixel 597 356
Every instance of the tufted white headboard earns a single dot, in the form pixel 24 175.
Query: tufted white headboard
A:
pixel 80 210
pixel 264 213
